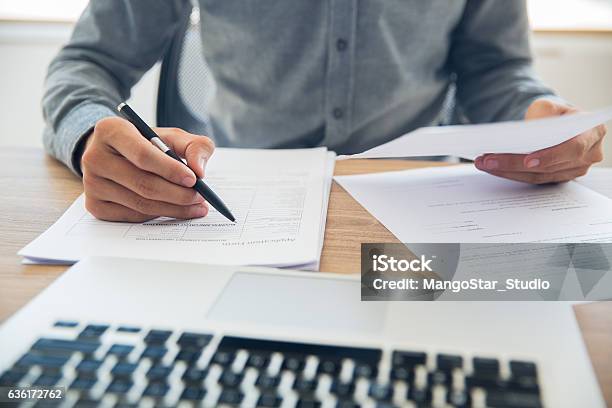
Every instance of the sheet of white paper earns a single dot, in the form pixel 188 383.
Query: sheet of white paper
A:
pixel 598 179
pixel 470 141
pixel 461 204
pixel 277 196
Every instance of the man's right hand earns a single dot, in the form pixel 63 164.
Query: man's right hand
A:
pixel 126 178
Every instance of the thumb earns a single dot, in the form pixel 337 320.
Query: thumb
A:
pixel 543 108
pixel 195 149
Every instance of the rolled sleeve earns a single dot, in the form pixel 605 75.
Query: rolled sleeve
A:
pixel 76 125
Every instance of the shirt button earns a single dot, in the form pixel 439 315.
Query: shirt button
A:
pixel 338 113
pixel 341 44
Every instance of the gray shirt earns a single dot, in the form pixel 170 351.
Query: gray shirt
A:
pixel 348 74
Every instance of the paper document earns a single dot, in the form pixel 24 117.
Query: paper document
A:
pixel 279 198
pixel 461 204
pixel 470 141
pixel 598 179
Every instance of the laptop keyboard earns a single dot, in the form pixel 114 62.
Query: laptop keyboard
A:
pixel 126 366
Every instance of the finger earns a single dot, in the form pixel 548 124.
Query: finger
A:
pixel 515 163
pixel 196 149
pixel 129 143
pixel 543 108
pixel 148 185
pixel 107 190
pixel 543 178
pixel 107 211
pixel 501 162
pixel 573 150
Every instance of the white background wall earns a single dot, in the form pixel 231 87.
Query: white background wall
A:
pixel 578 66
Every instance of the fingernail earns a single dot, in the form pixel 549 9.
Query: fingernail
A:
pixel 202 163
pixel 533 163
pixel 199 211
pixel 188 181
pixel 491 164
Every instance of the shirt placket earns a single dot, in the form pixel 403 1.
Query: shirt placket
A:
pixel 339 74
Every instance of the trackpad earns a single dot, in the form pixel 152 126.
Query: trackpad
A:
pixel 310 303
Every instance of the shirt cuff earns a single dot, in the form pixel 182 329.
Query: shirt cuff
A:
pixel 74 129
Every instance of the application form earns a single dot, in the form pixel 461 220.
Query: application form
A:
pixel 461 204
pixel 470 141
pixel 279 198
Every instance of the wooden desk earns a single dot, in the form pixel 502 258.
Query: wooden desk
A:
pixel 36 190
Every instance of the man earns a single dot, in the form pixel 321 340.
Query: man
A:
pixel 347 74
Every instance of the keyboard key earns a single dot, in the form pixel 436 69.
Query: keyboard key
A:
pixel 223 358
pixel 511 399
pixel 189 340
pixel 120 386
pixel 69 346
pixel 439 377
pixel 294 363
pixel 128 329
pixel 266 382
pixel 157 337
pixel 48 403
pixel 365 370
pixel 342 389
pixel 154 353
pixel 83 383
pixel 156 390
pixel 408 359
pixel 66 323
pixel 12 377
pixel 523 369
pixel 193 393
pixel 331 367
pixel 88 368
pixel 448 362
pixel 269 400
pixel 120 351
pixel 366 355
pixel 188 356
pixel 194 376
pixel 459 399
pixel 159 373
pixel 48 363
pixel 380 391
pixel 123 370
pixel 308 403
pixel 87 401
pixel 420 396
pixel 488 383
pixel 47 380
pixel 258 360
pixel 230 379
pixel 346 403
pixel 93 331
pixel 230 396
pixel 402 373
pixel 304 386
pixel 485 367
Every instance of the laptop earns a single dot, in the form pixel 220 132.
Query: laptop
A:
pixel 125 333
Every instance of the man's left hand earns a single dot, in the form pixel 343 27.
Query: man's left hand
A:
pixel 563 162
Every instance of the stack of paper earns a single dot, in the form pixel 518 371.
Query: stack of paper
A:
pixel 279 198
pixel 598 179
pixel 461 204
pixel 470 141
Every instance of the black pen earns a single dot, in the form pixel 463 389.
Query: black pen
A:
pixel 152 137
